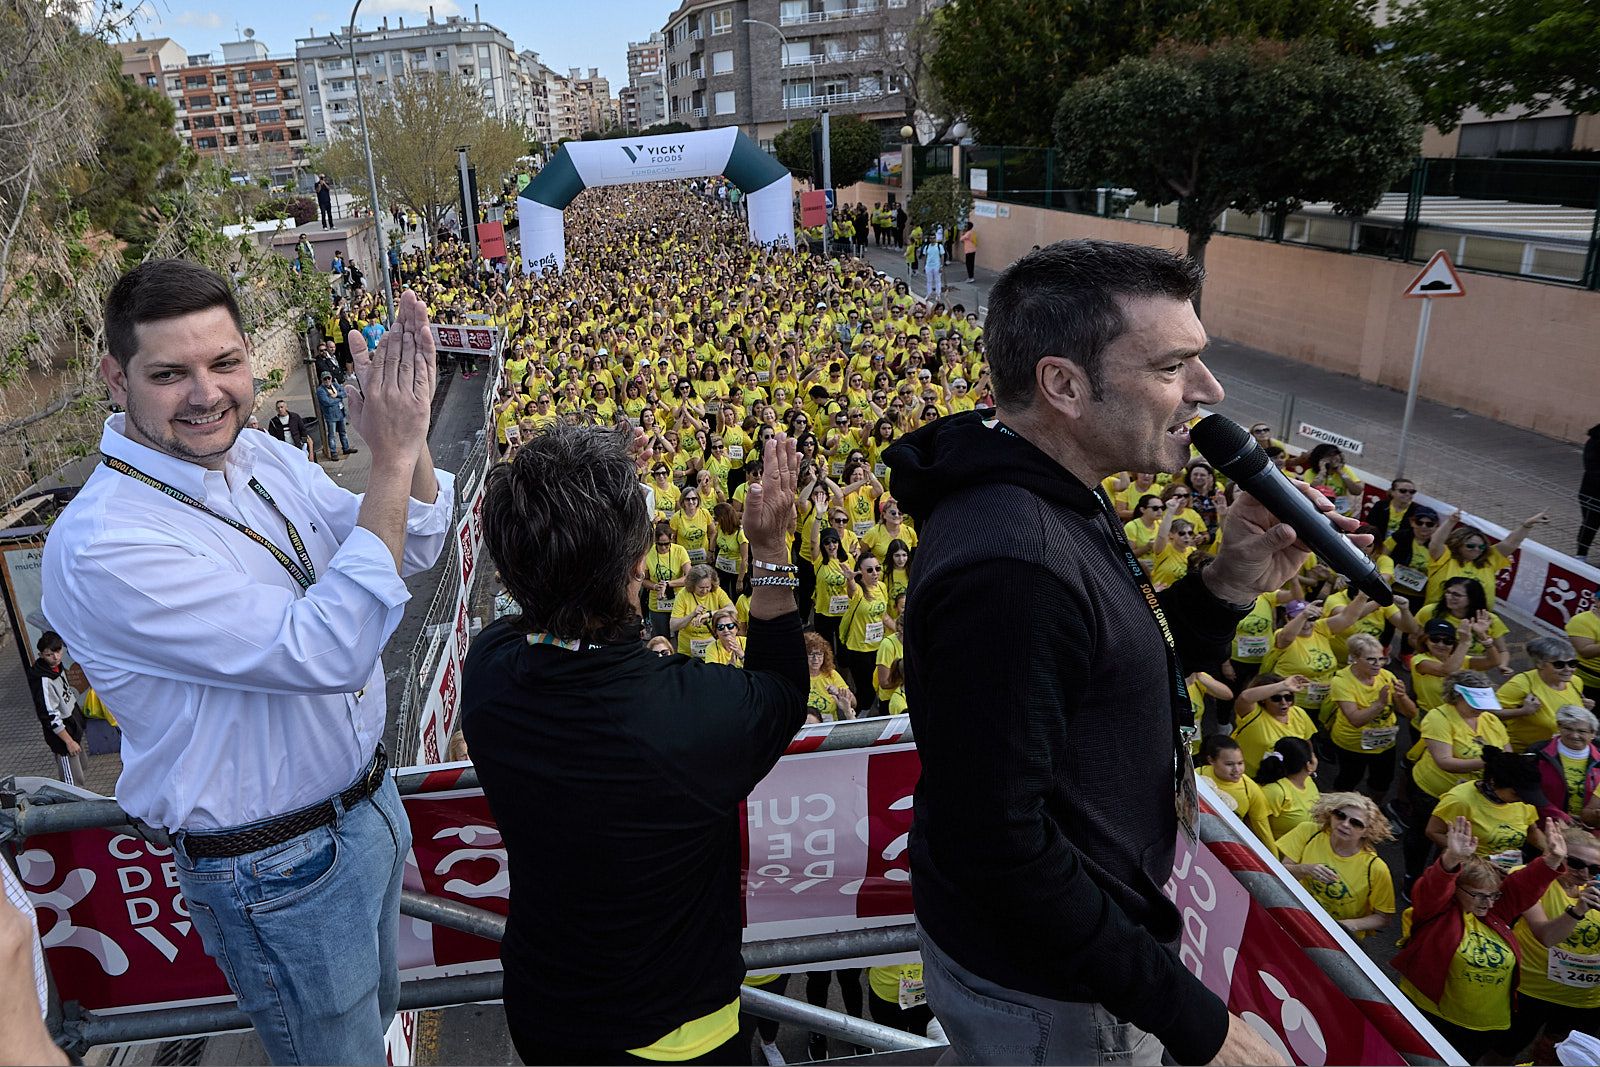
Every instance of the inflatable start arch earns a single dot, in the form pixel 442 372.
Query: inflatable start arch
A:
pixel 668 157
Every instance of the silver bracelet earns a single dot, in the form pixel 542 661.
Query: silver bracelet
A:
pixel 785 582
pixel 781 568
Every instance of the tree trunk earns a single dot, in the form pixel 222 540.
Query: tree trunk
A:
pixel 1197 252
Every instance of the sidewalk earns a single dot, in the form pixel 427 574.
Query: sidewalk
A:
pixel 1498 471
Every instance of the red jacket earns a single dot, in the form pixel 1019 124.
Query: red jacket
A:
pixel 1555 782
pixel 1437 924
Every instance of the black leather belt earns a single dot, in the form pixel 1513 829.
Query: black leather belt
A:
pixel 287 827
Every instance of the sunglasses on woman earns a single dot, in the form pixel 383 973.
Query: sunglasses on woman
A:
pixel 1564 664
pixel 727 626
pixel 1351 819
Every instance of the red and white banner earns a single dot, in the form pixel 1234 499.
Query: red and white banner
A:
pixel 1541 589
pixel 825 838
pixel 455 337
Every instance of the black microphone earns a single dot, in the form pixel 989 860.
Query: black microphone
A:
pixel 1231 450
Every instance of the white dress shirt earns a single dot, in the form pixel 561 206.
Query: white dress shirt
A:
pixel 236 691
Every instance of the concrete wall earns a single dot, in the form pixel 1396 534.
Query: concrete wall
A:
pixel 1522 352
pixel 278 348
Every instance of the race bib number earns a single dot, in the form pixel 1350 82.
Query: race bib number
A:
pixel 736 453
pixel 763 376
pixel 663 601
pixel 1379 738
pixel 1315 694
pixel 861 527
pixel 880 469
pixel 912 995
pixel 1410 579
pixel 698 646
pixel 697 555
pixel 874 632
pixel 1250 647
pixel 838 605
pixel 1570 969
pixel 727 564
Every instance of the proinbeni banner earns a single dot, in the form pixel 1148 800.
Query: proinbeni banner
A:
pixel 479 340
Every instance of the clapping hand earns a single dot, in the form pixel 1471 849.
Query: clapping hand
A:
pixel 1460 844
pixel 1555 845
pixel 391 403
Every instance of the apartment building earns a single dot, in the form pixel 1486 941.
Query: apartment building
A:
pixel 243 108
pixel 469 48
pixel 534 77
pixel 563 108
pixel 645 62
pixel 595 110
pixel 760 64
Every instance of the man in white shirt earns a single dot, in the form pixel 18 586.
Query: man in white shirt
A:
pixel 231 602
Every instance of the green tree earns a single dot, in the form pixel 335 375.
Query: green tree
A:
pixel 137 157
pixel 939 200
pixel 853 147
pixel 1248 124
pixel 1003 64
pixel 416 130
pixel 1497 55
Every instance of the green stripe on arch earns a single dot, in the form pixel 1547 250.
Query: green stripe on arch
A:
pixel 749 167
pixel 557 184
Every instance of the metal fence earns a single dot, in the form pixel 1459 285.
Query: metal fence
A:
pixel 1531 218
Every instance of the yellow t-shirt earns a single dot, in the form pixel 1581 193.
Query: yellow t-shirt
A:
pixel 877 539
pixel 1477 990
pixel 716 653
pixel 1257 732
pixel 1252 638
pixel 1586 624
pixel 1170 564
pixel 1365 885
pixel 819 701
pixel 665 567
pixel 1445 724
pixel 1527 730
pixel 1426 689
pixel 1372 623
pixel 1140 539
pixel 1444 568
pixel 897 703
pixel 832 597
pixel 858 505
pixel 1498 827
pixel 1288 805
pixel 694 1038
pixel 1567 973
pixel 1380 733
pixel 864 619
pixel 730 550
pixel 695 638
pixel 886 982
pixel 890 649
pixel 1247 801
pixel 693 532
pixel 1310 655
pixel 1575 770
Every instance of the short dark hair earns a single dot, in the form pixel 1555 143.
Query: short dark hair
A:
pixel 162 289
pixel 1066 300
pixel 50 641
pixel 566 524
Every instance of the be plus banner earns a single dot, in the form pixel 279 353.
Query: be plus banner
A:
pixel 478 340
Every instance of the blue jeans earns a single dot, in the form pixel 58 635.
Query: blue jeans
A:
pixel 331 425
pixel 305 931
pixel 988 1023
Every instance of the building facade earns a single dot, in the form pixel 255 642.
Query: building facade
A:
pixel 761 64
pixel 645 63
pixel 592 103
pixel 471 49
pixel 243 109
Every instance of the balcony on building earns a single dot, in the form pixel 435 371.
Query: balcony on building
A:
pixel 804 12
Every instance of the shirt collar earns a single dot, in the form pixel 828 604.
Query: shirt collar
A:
pixel 182 475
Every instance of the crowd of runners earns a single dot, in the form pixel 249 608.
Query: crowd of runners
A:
pixel 1335 725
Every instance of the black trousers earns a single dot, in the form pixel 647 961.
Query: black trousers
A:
pixel 817 983
pixel 862 666
pixel 828 627
pixel 768 1028
pixel 972 260
pixel 1415 844
pixel 1376 767
pixel 889 1013
pixel 1588 512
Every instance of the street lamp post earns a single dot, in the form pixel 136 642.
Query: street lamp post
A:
pixel 787 119
pixel 372 176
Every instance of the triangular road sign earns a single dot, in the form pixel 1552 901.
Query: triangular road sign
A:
pixel 1438 278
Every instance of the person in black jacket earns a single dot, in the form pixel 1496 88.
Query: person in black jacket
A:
pixel 1047 699
pixel 615 775
pixel 1589 493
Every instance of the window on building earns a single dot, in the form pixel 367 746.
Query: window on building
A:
pixel 222 79
pixel 266 96
pixel 269 114
pixel 1551 133
pixel 722 21
pixel 483 51
pixel 724 103
pixel 870 83
pixel 196 102
pixel 287 72
pixel 261 74
pixel 205 122
pixel 867 42
pixel 205 142
pixel 796 52
pixel 195 81
pixel 722 62
pixel 337 85
pixel 793 10
pixel 795 94
pixel 227 122
pixel 241 78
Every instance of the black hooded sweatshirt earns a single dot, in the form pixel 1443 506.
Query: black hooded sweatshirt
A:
pixel 1042 703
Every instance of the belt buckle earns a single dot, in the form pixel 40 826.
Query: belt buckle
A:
pixel 375 771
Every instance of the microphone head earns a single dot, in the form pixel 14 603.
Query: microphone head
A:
pixel 1229 447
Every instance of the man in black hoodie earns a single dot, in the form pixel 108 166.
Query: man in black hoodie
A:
pixel 1045 681
pixel 1589 493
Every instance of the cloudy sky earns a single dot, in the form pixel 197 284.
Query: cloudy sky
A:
pixel 565 34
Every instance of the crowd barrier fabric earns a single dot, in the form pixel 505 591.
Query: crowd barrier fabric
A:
pixel 825 838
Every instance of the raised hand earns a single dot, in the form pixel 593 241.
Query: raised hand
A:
pixel 769 503
pixel 391 403
pixel 1459 842
pixel 1555 845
